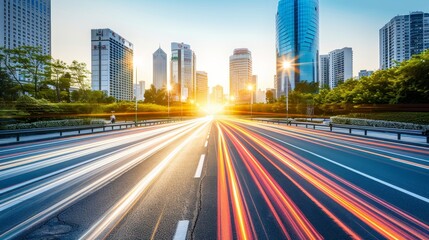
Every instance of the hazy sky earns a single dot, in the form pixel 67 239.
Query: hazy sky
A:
pixel 214 28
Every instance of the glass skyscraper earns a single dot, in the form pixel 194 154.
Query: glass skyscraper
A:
pixel 297 25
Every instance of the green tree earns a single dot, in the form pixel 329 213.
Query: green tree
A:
pixel 269 96
pixel 79 75
pixel 30 62
pixel 58 77
pixel 150 95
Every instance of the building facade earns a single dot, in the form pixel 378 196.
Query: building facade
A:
pixel 159 69
pixel 403 37
pixel 240 73
pixel 340 66
pixel 297 42
pixel 139 90
pixel 112 64
pixel 217 96
pixel 202 88
pixel 26 23
pixel 183 72
pixel 324 71
pixel 365 73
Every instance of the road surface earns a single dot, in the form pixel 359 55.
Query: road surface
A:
pixel 214 179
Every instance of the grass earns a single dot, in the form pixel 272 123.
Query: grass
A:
pixel 407 117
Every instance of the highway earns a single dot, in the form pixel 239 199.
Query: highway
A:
pixel 211 178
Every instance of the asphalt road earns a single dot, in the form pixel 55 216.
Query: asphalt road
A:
pixel 214 179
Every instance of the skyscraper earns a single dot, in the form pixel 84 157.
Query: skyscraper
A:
pixel 403 37
pixel 159 69
pixel 217 96
pixel 240 73
pixel 297 25
pixel 336 67
pixel 324 71
pixel 26 23
pixel 112 64
pixel 202 88
pixel 183 72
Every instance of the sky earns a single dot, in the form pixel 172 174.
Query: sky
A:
pixel 215 28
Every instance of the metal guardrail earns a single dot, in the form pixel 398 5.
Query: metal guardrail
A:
pixel 398 132
pixel 111 127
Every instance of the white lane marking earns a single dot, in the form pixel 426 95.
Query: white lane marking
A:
pixel 200 166
pixel 415 195
pixel 207 143
pixel 181 230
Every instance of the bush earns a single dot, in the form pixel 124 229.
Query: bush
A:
pixel 378 123
pixel 97 122
pixel 48 124
pixel 36 107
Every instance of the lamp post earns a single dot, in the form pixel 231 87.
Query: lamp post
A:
pixel 250 88
pixel 168 96
pixel 136 99
pixel 286 66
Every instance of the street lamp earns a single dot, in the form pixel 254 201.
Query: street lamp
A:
pixel 137 62
pixel 168 94
pixel 250 88
pixel 286 66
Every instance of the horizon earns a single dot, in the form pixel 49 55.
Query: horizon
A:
pixel 142 25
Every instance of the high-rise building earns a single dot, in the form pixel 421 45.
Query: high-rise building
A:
pixel 297 25
pixel 183 72
pixel 112 64
pixel 139 90
pixel 217 97
pixel 261 96
pixel 340 66
pixel 202 88
pixel 324 71
pixel 403 37
pixel 26 23
pixel 365 73
pixel 240 73
pixel 159 69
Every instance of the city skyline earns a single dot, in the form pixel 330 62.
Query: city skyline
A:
pixel 149 25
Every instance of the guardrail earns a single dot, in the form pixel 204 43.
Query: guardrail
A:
pixel 111 127
pixel 398 132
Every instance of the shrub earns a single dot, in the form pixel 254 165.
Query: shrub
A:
pixel 378 123
pixel 36 107
pixel 97 122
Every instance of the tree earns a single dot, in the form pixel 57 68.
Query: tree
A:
pixel 150 95
pixel 28 62
pixel 79 75
pixel 8 87
pixel 58 76
pixel 269 96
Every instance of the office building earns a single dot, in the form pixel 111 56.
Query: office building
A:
pixel 217 96
pixel 340 66
pixel 297 43
pixel 324 71
pixel 26 23
pixel 240 73
pixel 365 73
pixel 159 69
pixel 139 90
pixel 403 37
pixel 183 72
pixel 260 96
pixel 202 88
pixel 112 64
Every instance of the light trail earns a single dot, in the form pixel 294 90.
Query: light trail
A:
pixel 377 214
pixel 67 185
